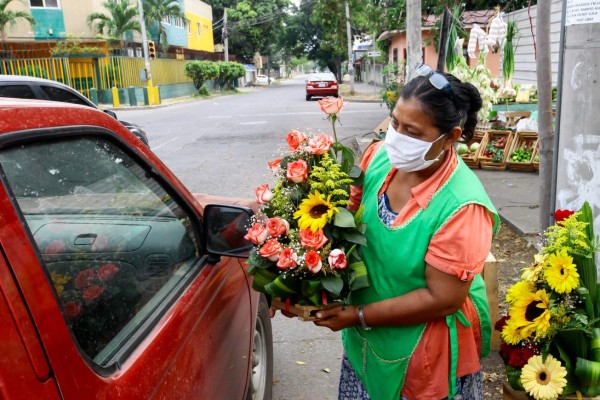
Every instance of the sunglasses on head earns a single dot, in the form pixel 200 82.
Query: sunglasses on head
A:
pixel 438 80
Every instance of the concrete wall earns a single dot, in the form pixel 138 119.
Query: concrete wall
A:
pixel 22 29
pixel 525 67
pixel 75 13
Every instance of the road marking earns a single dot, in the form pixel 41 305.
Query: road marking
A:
pixel 167 142
pixel 253 123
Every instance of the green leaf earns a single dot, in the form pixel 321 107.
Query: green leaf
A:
pixel 344 218
pixel 347 160
pixel 361 279
pixel 262 277
pixel 258 261
pixel 588 374
pixel 333 284
pixel 514 377
pixel 358 175
pixel 283 286
pixel 355 236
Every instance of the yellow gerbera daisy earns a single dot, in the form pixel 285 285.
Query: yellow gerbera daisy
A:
pixel 544 380
pixel 532 273
pixel 314 212
pixel 511 333
pixel 518 291
pixel 561 274
pixel 532 313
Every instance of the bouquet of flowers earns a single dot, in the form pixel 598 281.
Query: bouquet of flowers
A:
pixel 551 335
pixel 304 237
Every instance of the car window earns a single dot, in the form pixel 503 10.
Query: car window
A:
pixel 113 242
pixel 16 91
pixel 58 94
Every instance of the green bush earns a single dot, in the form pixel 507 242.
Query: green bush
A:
pixel 228 71
pixel 394 82
pixel 200 72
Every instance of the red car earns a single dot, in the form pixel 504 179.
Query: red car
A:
pixel 115 281
pixel 321 84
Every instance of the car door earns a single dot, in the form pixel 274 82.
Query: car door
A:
pixel 108 256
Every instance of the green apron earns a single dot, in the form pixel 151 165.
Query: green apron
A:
pixel 395 259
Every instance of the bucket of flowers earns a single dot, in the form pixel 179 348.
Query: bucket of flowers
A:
pixel 551 335
pixel 305 240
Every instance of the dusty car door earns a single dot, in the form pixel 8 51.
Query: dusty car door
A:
pixel 108 255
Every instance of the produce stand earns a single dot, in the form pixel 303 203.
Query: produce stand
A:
pixel 524 144
pixel 512 117
pixel 498 141
pixel 471 158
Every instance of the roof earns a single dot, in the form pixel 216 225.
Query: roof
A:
pixel 249 67
pixel 480 17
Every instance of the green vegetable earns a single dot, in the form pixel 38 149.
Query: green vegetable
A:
pixel 462 149
pixel 474 147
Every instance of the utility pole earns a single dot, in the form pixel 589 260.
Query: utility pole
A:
pixel 225 36
pixel 413 43
pixel 145 52
pixel 350 60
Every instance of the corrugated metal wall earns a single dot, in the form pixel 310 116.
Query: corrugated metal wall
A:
pixel 525 67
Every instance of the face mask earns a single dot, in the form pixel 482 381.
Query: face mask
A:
pixel 408 154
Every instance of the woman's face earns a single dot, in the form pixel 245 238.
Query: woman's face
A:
pixel 412 119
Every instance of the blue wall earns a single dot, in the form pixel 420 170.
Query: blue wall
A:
pixel 46 19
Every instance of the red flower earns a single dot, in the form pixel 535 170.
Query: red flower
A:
pixel 73 310
pixel 55 247
pixel 84 279
pixel 517 356
pixel 92 293
pixel 561 215
pixel 501 323
pixel 107 272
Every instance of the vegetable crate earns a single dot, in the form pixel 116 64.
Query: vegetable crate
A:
pixel 520 154
pixel 536 158
pixel 494 149
pixel 512 117
pixel 471 157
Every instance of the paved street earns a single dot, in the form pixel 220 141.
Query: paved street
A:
pixel 221 146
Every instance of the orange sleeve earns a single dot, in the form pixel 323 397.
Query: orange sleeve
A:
pixel 461 246
pixel 355 191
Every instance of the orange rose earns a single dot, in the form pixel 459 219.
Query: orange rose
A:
pixel 275 165
pixel 337 259
pixel 312 240
pixel 295 139
pixel 331 105
pixel 277 227
pixel 287 259
pixel 297 171
pixel 313 261
pixel 263 194
pixel 257 234
pixel 271 250
pixel 320 144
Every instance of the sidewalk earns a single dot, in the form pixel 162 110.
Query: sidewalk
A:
pixel 515 194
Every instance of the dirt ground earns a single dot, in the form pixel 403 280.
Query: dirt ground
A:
pixel 513 252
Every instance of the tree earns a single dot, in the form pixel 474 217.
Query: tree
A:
pixel 155 11
pixel 122 18
pixel 9 18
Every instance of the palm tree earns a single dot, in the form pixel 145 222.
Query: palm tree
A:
pixel 155 11
pixel 9 18
pixel 122 19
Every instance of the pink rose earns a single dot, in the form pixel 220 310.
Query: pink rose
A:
pixel 257 234
pixel 320 144
pixel 271 250
pixel 55 247
pixel 295 139
pixel 312 240
pixel 331 105
pixel 313 261
pixel 297 171
pixel 263 194
pixel 277 227
pixel 275 165
pixel 287 259
pixel 100 244
pixel 84 279
pixel 107 272
pixel 92 293
pixel 337 259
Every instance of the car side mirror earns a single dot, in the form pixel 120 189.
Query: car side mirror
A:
pixel 224 229
pixel 111 113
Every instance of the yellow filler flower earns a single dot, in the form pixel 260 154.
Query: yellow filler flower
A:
pixel 314 212
pixel 561 274
pixel 544 380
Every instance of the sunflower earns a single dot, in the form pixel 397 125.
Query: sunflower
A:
pixel 532 273
pixel 511 333
pixel 518 291
pixel 561 274
pixel 314 212
pixel 544 380
pixel 532 313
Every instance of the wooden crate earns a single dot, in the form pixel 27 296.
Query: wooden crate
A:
pixel 472 158
pixel 522 140
pixel 490 277
pixel 512 117
pixel 304 313
pixel 486 162
pixel 536 164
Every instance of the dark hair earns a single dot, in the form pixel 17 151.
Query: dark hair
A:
pixel 446 110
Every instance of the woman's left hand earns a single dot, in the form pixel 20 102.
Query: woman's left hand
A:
pixel 337 318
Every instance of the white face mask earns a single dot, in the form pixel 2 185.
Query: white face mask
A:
pixel 408 154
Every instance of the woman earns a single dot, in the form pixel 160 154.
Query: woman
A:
pixel 419 331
